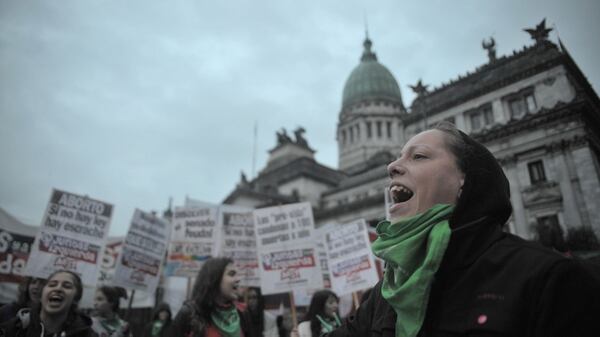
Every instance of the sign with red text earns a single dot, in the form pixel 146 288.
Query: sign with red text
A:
pixel 194 239
pixel 72 236
pixel 350 260
pixel 238 242
pixel 142 255
pixel 287 253
pixel 14 252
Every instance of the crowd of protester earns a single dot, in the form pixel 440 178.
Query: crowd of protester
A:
pixel 450 270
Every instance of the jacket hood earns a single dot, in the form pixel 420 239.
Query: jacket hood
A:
pixel 161 307
pixel 485 192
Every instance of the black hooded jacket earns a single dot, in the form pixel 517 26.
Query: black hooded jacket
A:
pixel 492 283
pixel 166 325
pixel 27 324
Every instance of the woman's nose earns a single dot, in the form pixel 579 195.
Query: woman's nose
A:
pixel 395 168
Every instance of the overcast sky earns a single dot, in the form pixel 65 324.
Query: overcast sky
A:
pixel 132 102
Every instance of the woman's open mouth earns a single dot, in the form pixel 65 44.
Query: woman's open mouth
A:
pixel 55 299
pixel 400 193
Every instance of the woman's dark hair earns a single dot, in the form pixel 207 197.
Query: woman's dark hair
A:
pixel 207 287
pixel 456 143
pixel 317 307
pixel 113 296
pixel 76 282
pixel 23 298
pixel 162 307
pixel 485 183
pixel 257 315
pixel 73 310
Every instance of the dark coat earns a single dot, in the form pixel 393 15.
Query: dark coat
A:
pixel 165 328
pixel 514 288
pixel 79 325
pixel 181 325
pixel 491 283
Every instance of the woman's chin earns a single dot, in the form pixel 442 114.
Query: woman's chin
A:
pixel 399 212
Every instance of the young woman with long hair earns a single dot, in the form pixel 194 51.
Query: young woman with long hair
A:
pixel 107 322
pixel 322 315
pixel 56 314
pixel 212 310
pixel 30 291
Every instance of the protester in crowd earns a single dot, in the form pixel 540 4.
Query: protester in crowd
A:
pixel 107 322
pixel 322 315
pixel 212 311
pixel 262 323
pixel 30 291
pixel 56 314
pixel 161 321
pixel 451 270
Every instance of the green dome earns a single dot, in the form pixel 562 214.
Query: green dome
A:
pixel 370 80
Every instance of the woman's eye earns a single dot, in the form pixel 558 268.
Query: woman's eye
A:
pixel 419 156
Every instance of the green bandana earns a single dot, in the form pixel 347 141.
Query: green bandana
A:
pixel 156 328
pixel 111 325
pixel 227 321
pixel 413 249
pixel 328 325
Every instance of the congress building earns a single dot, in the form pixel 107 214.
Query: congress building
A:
pixel 534 109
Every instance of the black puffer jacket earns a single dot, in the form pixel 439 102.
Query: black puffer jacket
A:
pixel 27 324
pixel 492 283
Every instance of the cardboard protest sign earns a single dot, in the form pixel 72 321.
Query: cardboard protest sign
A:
pixel 287 253
pixel 238 242
pixel 72 236
pixel 142 255
pixel 14 252
pixel 350 260
pixel 193 240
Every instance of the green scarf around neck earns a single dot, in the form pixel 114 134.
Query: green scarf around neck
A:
pixel 413 249
pixel 227 321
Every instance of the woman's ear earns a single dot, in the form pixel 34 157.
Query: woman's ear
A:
pixel 460 188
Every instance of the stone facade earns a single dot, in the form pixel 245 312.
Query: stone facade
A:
pixel 533 109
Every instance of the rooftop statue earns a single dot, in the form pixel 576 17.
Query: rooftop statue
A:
pixel 540 33
pixel 490 46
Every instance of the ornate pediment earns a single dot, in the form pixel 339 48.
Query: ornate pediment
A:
pixel 542 193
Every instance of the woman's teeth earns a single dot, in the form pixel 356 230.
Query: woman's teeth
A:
pixel 400 193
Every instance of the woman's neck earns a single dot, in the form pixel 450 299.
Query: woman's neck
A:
pixel 223 304
pixel 108 315
pixel 53 323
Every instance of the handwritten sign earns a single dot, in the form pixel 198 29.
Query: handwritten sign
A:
pixel 350 260
pixel 145 245
pixel 238 242
pixel 193 240
pixel 287 253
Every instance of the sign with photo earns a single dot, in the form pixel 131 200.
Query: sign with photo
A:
pixel 72 236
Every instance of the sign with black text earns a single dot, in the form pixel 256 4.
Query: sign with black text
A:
pixel 72 236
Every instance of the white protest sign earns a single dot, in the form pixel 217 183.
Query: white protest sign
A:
pixel 238 242
pixel 287 253
pixel 351 264
pixel 139 264
pixel 72 237
pixel 193 240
